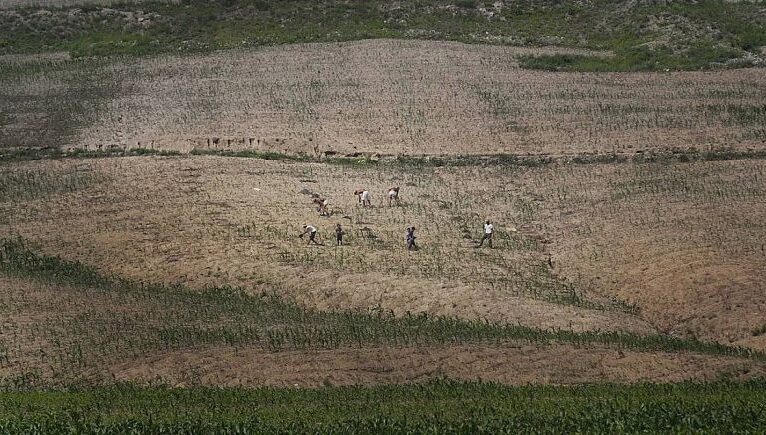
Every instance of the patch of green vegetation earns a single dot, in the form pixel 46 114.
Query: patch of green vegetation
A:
pixel 252 154
pixel 9 155
pixel 745 29
pixel 112 43
pixel 707 156
pixel 414 162
pixel 13 70
pixel 671 35
pixel 473 160
pixel 434 407
pixel 702 56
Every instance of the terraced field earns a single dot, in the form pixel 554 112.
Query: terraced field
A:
pixel 377 98
pixel 160 160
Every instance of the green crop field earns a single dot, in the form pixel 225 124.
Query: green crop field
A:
pixel 436 407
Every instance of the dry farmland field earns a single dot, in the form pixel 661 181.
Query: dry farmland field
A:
pixel 188 270
pixel 153 280
pixel 380 97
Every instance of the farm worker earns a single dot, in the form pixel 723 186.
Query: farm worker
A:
pixel 322 204
pixel 339 234
pixel 393 195
pixel 411 239
pixel 364 197
pixel 358 193
pixel 312 232
pixel 488 230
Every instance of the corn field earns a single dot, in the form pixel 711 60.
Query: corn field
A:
pixel 434 407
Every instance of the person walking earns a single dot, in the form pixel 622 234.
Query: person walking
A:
pixel 339 235
pixel 312 232
pixel 411 246
pixel 488 230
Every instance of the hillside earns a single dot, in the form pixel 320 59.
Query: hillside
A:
pixel 645 35
pixel 381 97
pixel 159 161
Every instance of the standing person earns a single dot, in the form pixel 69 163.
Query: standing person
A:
pixel 488 230
pixel 411 246
pixel 312 232
pixel 393 195
pixel 339 235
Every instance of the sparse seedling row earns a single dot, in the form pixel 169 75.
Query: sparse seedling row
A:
pixel 129 319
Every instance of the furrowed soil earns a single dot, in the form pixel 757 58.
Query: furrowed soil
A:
pixel 59 335
pixel 671 247
pixel 675 248
pixel 378 97
pixel 511 364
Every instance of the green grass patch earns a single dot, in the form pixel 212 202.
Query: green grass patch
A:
pixel 703 56
pixel 252 154
pixel 10 155
pixel 114 43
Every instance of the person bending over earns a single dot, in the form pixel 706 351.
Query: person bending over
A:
pixel 393 196
pixel 358 194
pixel 321 204
pixel 312 232
pixel 363 195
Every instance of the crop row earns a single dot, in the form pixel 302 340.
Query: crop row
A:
pixel 435 407
pixel 130 319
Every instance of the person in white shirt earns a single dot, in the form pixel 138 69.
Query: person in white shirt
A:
pixel 393 195
pixel 364 197
pixel 312 232
pixel 358 193
pixel 488 230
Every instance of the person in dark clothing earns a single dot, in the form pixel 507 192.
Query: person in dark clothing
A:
pixel 411 246
pixel 339 234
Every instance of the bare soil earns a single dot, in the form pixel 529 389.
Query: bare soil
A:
pixel 681 243
pixel 510 364
pixel 390 97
